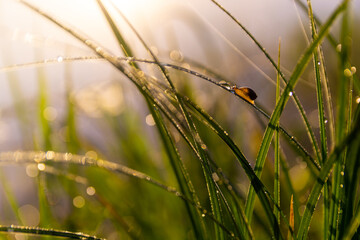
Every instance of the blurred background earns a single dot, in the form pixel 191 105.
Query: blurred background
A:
pixel 39 85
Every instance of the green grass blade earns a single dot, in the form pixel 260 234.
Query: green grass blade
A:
pixel 43 104
pixel 277 149
pixel 261 191
pixel 294 96
pixel 302 63
pixel 342 125
pixel 46 232
pixel 352 137
pixel 323 137
pixel 73 143
pixel 181 173
pixel 126 49
pixel 212 191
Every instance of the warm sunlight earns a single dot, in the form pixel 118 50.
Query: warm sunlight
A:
pixel 179 119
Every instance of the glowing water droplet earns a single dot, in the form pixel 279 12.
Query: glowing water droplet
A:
pixel 341 185
pixel 59 59
pixel 319 63
pixel 347 73
pixel 226 133
pixel 203 215
pixel 342 173
pixel 203 146
pixel 290 94
pixel 353 69
pixel 325 121
pixel 338 48
pixel 357 100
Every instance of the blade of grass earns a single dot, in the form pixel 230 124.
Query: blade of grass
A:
pixel 323 138
pixel 226 87
pixel 46 232
pixel 197 221
pixel 29 157
pixel 212 191
pixel 296 99
pixel 277 149
pixel 334 157
pixel 291 217
pixel 261 191
pixel 302 63
pixel 342 125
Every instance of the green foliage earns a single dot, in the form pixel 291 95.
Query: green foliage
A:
pixel 187 176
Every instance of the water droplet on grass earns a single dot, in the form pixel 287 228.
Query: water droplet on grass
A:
pixel 290 94
pixel 338 48
pixel 357 100
pixel 353 69
pixel 347 73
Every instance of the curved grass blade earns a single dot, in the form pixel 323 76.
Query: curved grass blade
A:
pixel 198 223
pixel 302 63
pixel 226 85
pixel 351 138
pixel 38 157
pixel 213 196
pixel 46 232
pixel 277 149
pixel 323 138
pixel 261 191
pixel 342 125
pixel 296 99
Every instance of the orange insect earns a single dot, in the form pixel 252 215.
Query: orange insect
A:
pixel 246 93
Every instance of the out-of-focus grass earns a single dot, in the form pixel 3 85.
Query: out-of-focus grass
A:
pixel 188 173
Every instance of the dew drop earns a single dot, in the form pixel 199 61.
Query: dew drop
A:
pixel 342 173
pixel 319 63
pixel 290 94
pixel 203 215
pixel 353 69
pixel 338 48
pixel 41 166
pixel 341 185
pixel 90 191
pixel 59 59
pixel 347 73
pixel 226 133
pixel 325 121
pixel 357 100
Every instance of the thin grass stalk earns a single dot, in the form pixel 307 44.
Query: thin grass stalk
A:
pixel 291 217
pixel 342 122
pixel 167 140
pixel 38 157
pixel 352 137
pixel 215 205
pixel 73 143
pixel 296 99
pixel 226 87
pixel 261 191
pixel 277 148
pixel 302 63
pixel 100 51
pixel 46 232
pixel 10 196
pixel 323 138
